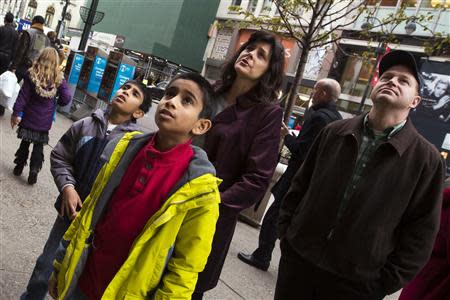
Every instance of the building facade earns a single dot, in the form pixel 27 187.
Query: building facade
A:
pixel 174 30
pixel 357 75
pixel 226 38
pixel 51 10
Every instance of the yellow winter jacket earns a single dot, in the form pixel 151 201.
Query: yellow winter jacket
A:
pixel 173 247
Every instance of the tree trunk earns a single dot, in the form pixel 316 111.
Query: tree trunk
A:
pixel 297 79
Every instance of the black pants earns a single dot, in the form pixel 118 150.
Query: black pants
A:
pixel 5 59
pixel 268 233
pixel 300 279
pixel 37 156
pixel 21 71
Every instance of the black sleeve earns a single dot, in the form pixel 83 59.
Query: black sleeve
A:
pixel 22 47
pixel 299 146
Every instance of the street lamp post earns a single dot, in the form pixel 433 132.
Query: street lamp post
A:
pixel 409 28
pixel 91 17
pixel 63 16
pixel 379 51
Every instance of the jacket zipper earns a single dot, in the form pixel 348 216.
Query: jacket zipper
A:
pixel 339 212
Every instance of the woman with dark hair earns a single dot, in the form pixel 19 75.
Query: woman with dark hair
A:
pixel 243 142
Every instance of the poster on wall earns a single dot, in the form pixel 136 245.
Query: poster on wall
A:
pixel 432 116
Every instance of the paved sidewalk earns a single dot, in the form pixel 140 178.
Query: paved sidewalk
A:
pixel 27 213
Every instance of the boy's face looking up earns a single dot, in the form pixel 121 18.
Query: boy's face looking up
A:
pixel 128 99
pixel 178 112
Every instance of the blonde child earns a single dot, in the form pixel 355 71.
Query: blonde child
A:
pixel 34 109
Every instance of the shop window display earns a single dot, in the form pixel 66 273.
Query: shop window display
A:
pixel 356 76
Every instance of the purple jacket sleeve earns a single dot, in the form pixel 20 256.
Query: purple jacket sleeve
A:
pixel 260 165
pixel 23 98
pixel 64 93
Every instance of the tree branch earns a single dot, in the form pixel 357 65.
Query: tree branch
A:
pixel 321 17
pixel 288 24
pixel 344 16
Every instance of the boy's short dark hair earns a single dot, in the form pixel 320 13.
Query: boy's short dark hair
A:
pixel 205 87
pixel 147 101
pixel 9 17
pixel 38 19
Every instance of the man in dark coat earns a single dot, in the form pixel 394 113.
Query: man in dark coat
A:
pixel 362 213
pixel 30 44
pixel 8 42
pixel 326 93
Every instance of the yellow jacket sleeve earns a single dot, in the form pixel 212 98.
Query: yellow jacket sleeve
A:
pixel 192 248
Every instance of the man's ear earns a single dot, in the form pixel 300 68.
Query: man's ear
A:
pixel 201 126
pixel 138 114
pixel 415 102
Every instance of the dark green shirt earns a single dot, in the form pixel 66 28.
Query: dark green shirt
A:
pixel 371 140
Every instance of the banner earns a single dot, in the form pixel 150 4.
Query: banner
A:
pixel 432 116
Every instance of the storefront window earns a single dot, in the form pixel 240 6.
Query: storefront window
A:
pixel 252 5
pixel 383 2
pixel 356 76
pixel 412 3
pixel 267 7
pixel 409 3
pixel 49 16
pixel 31 10
pixel 435 3
pixel 236 2
pixel 350 106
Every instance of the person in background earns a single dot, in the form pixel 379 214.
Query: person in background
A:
pixel 34 109
pixel 243 142
pixel 433 281
pixel 361 215
pixel 8 44
pixel 323 111
pixel 54 41
pixel 31 42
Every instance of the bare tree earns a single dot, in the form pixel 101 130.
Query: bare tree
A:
pixel 318 23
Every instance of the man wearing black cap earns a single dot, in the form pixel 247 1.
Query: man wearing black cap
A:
pixel 360 218
pixel 8 41
pixel 31 43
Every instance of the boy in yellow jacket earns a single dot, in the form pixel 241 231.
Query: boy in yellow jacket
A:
pixel 145 230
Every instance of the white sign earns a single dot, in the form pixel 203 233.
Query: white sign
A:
pixel 314 63
pixel 222 44
pixel 446 143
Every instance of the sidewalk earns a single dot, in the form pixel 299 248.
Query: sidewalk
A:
pixel 27 214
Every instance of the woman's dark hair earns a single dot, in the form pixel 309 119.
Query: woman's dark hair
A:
pixel 270 82
pixel 147 101
pixel 204 86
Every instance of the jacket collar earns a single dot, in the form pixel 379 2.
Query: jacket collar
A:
pixel 102 117
pixel 330 105
pixel 400 141
pixel 199 164
pixel 38 26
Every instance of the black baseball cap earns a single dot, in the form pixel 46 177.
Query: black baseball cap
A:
pixel 400 57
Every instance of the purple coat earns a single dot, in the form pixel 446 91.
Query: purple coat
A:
pixel 37 110
pixel 433 281
pixel 243 146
